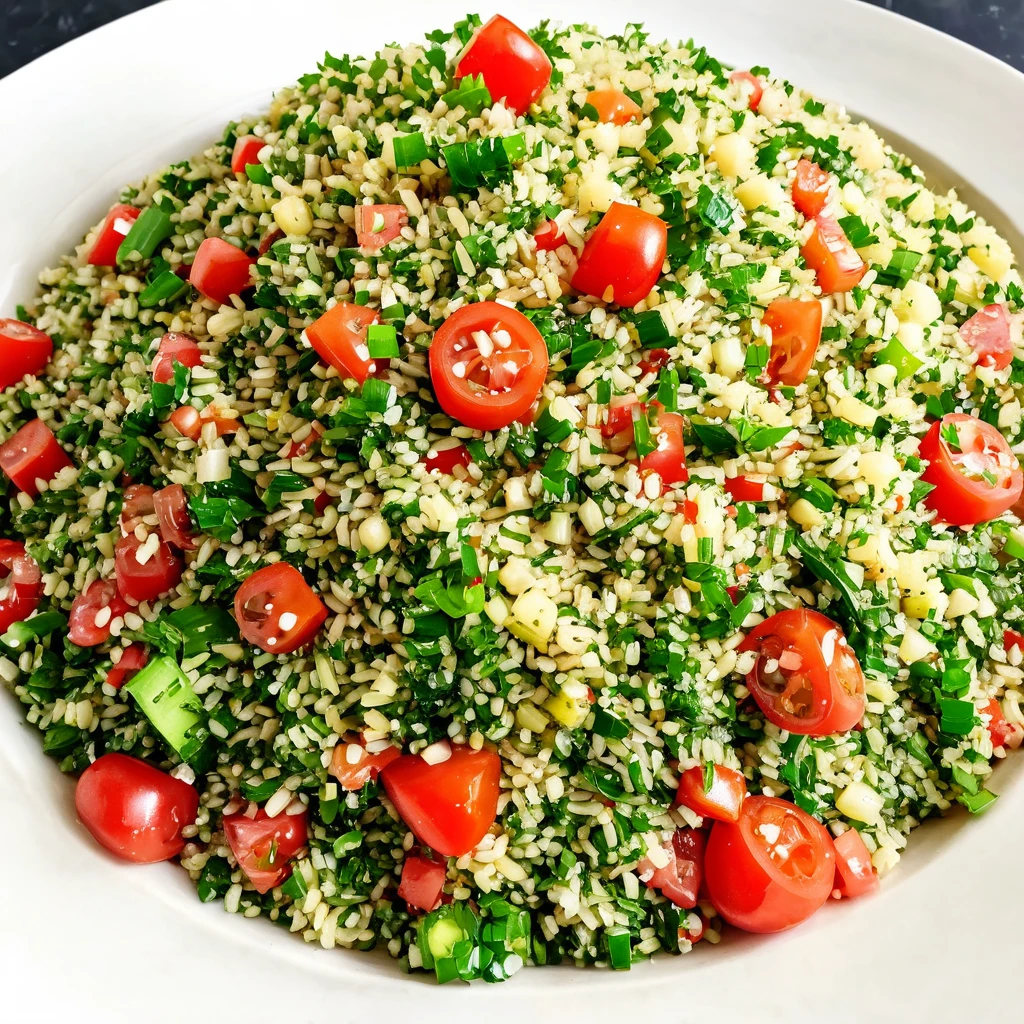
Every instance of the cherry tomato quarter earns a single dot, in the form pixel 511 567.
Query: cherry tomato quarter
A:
pixel 721 800
pixel 339 337
pixel 678 879
pixel 31 455
pixel 855 875
pixel 515 69
pixel 796 332
pixel 264 847
pixel 111 234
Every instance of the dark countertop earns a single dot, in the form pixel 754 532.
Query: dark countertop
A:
pixel 31 27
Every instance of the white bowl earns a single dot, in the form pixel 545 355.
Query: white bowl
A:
pixel 85 939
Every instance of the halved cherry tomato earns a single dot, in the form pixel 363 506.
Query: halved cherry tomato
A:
pixel 722 801
pixel 299 448
pixel 796 332
pixel 21 584
pixel 514 67
pixel 134 810
pixel 988 333
pixel 339 337
pixel 276 609
pixel 449 806
pixel 830 255
pixel 246 152
pixel 444 460
pixel 548 236
pixel 742 488
pixel 134 658
pixel 24 351
pixel 654 359
pixel 114 231
pixel 221 270
pixel 855 875
pixel 668 460
pixel 189 421
pixel 753 86
pixel 1001 732
pixel 353 767
pixel 147 580
pixel 172 514
pixel 175 348
pixel 92 611
pixel 975 475
pixel 264 847
pixel 810 188
pixel 622 259
pixel 771 869
pixel 679 880
pixel 422 882
pixel 806 678
pixel 487 364
pixel 378 225
pixel 613 106
pixel 32 454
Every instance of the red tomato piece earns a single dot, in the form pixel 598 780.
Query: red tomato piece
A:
pixel 92 611
pixel 810 188
pixel 988 333
pixel 221 270
pixel 299 448
pixel 134 658
pixel 276 609
pixel 679 880
pixel 21 584
pixel 268 240
pixel 175 348
pixel 339 337
pixel 515 69
pixel 445 460
pixel 796 332
pixel 722 801
pixel 829 254
pixel 113 232
pixel 1001 732
pixel 751 85
pixel 1011 638
pixel 422 882
pixel 654 359
pixel 353 767
pixel 137 503
pixel 378 225
pixel 189 421
pixel 449 806
pixel 975 474
pixel 246 152
pixel 618 420
pixel 855 875
pixel 771 869
pixel 487 364
pixel 24 351
pixel 806 678
pixel 172 514
pixel 668 460
pixel 622 259
pixel 548 236
pixel 264 847
pixel 742 488
pixel 147 580
pixel 32 454
pixel 613 106
pixel 134 810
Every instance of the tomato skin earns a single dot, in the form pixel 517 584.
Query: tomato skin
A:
pixel 422 882
pixel 32 454
pixel 23 581
pixel 488 395
pixel 135 657
pixel 821 689
pixel 246 152
pixel 24 351
pixel 264 847
pixel 339 337
pixel 113 232
pixel 756 88
pixel 742 488
pixel 1011 638
pixel 82 628
pixel 137 581
pixel 613 106
pixel 514 67
pixel 448 806
pixel 134 810
pixel 353 775
pixel 855 875
pixel 548 236
pixel 810 188
pixel 669 459
pixel 988 333
pixel 624 253
pixel 299 448
pixel 829 254
pixel 796 333
pixel 171 509
pixel 678 881
pixel 722 802
pixel 394 219
pixel 958 499
pixel 445 460
pixel 752 889
pixel 175 348
pixel 221 270
pixel 262 593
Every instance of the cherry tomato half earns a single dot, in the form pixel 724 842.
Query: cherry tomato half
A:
pixel 144 574
pixel 133 658
pixel 444 460
pixel 751 85
pixel 24 351
pixel 988 333
pixel 32 454
pixel 810 188
pixel 742 488
pixel 277 610
pixel 488 364
pixel 246 153
pixel 21 584
pixel 975 475
pixel 806 678
pixel 264 847
pixel 378 225
pixel 613 106
pixel 172 514
pixel 548 236
pixel 221 270
pixel 134 810
pixel 830 255
pixel 175 348
pixel 422 882
pixel 855 875
pixel 721 801
pixel 678 880
pixel 113 232
pixel 796 332
pixel 92 611
pixel 771 869
pixel 353 767
pixel 339 337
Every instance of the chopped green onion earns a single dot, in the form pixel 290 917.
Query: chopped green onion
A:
pixel 20 634
pixel 410 150
pixel 977 802
pixel 166 288
pixel 551 429
pixel 895 354
pixel 295 887
pixel 900 268
pixel 957 717
pixel 203 627
pixel 152 227
pixel 619 948
pixel 166 698
pixel 382 341
pixel 651 329
pixel 471 95
pixel 608 725
pixel 645 444
pixel 378 395
pixel 668 388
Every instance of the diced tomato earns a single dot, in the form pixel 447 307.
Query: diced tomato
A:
pixel 21 584
pixel 796 333
pixel 855 875
pixel 613 106
pixel 444 460
pixel 742 488
pixel 277 610
pixel 422 882
pixel 734 594
pixel 134 658
pixel 175 348
pixel 700 928
pixel 810 188
pixel 751 84
pixel 24 351
pixel 988 333
pixel 618 419
pixel 680 879
pixel 32 454
pixel 296 449
pixel 246 152
pixel 264 847
pixel 268 240
pixel 378 225
pixel 668 460
pixel 137 503
pixel 1011 638
pixel 189 421
pixel 321 501
pixel 690 511
pixel 548 236
pixel 829 254
pixel 1001 732
pixel 221 270
pixel 147 580
pixel 721 800
pixel 339 337
pixel 113 232
pixel 171 507
pixel 92 611
pixel 353 767
pixel 654 359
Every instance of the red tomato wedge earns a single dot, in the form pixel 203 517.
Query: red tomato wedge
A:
pixel 771 869
pixel 488 364
pixel 975 475
pixel 444 460
pixel 829 254
pixel 31 455
pixel 618 421
pixel 422 882
pixel 172 514
pixel 276 609
pixel 92 611
pixel 221 270
pixel 515 69
pixel 806 678
pixel 548 236
pixel 796 333
pixel 988 333
pixel 339 338
pixel 175 348
pixel 21 584
pixel 742 488
pixel 613 106
pixel 678 880
pixel 854 874
pixel 113 232
pixel 134 810
pixel 134 658
pixel 353 767
pixel 654 359
pixel 622 259
pixel 721 801
pixel 24 351
pixel 449 806
pixel 810 188
pixel 1000 731
pixel 1011 638
pixel 378 225
pixel 751 85
pixel 668 460
pixel 246 152
pixel 264 847
pixel 147 579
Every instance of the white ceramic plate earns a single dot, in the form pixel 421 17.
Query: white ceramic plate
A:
pixel 85 939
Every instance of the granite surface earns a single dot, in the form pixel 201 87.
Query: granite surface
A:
pixel 28 29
